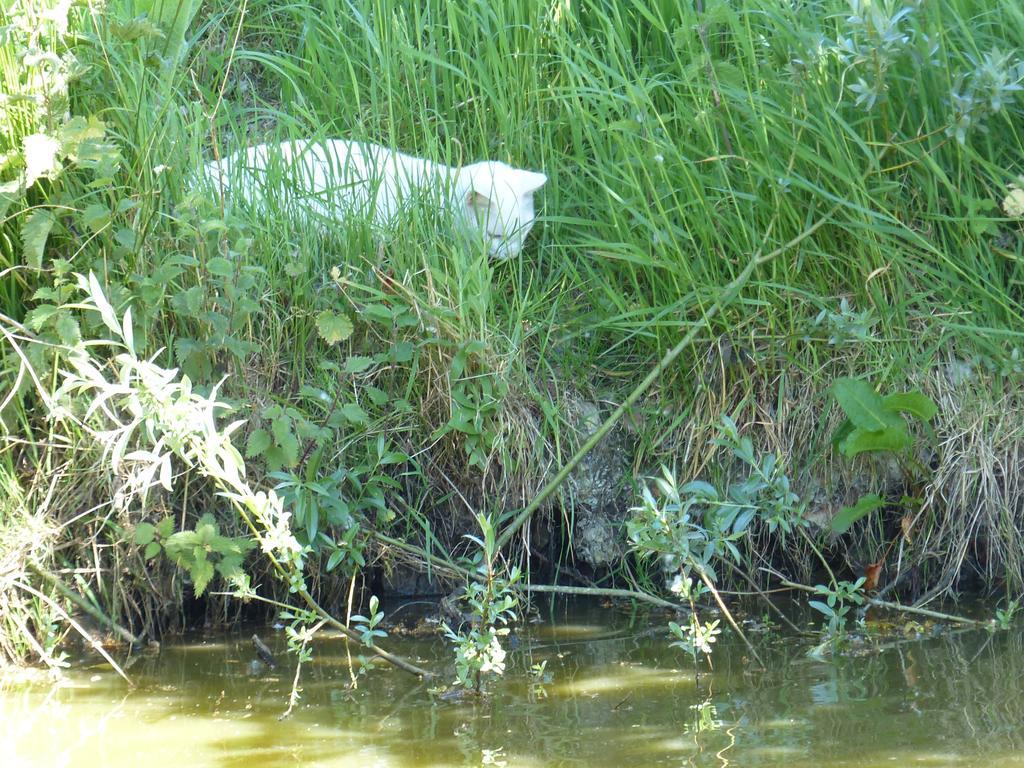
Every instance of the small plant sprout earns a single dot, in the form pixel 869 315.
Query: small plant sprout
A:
pixel 366 627
pixel 835 608
pixel 492 601
pixel 1005 617
pixel 991 85
pixel 847 325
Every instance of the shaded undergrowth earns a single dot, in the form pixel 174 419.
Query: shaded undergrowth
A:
pixel 395 384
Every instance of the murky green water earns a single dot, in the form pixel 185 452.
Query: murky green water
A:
pixel 618 696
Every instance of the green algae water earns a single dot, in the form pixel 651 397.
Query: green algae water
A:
pixel 612 693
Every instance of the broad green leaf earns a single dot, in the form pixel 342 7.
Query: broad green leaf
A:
pixel 96 217
pixel 847 516
pixel 402 352
pixel 861 404
pixel 893 439
pixel 355 414
pixel 258 442
pixel 202 573
pixel 165 527
pixel 34 233
pixel 821 607
pixel 842 432
pixel 377 396
pixel 38 316
pixel 188 303
pixel 144 533
pixel 220 266
pixel 357 364
pixel 67 328
pixel 152 550
pixel 917 403
pixel 126 238
pixel 333 327
pixel 77 131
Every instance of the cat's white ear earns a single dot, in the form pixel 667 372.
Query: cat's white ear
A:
pixel 529 181
pixel 477 202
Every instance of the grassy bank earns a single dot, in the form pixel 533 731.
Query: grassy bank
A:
pixel 389 384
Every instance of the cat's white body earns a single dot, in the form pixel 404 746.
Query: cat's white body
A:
pixel 335 179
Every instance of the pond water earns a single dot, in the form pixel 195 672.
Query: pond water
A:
pixel 614 694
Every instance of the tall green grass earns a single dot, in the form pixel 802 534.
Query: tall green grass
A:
pixel 680 140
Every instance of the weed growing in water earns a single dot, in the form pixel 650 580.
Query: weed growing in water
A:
pixel 694 527
pixel 492 601
pixel 838 600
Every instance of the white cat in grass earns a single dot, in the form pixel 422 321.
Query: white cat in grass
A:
pixel 335 179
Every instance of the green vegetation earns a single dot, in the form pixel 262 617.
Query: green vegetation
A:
pixel 311 407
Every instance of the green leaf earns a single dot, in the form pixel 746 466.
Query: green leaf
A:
pixel 96 217
pixel 152 550
pixel 220 266
pixel 402 352
pixel 202 573
pixel 820 606
pixel 861 404
pixel 34 233
pixel 332 327
pixel 916 403
pixel 358 364
pixel 355 414
pixel 847 516
pixel 67 328
pixel 188 303
pixel 9 192
pixel 165 527
pixel 894 439
pixel 126 238
pixel 144 533
pixel 38 316
pixel 258 442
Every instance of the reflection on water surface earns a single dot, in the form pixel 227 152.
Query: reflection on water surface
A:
pixel 618 695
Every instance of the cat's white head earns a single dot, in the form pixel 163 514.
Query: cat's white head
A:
pixel 499 200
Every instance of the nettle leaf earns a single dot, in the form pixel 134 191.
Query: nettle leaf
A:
pixel 202 573
pixel 77 131
pixel 862 405
pixel 188 302
pixel 96 217
pixel 38 316
pixel 220 266
pixel 355 414
pixel 916 403
pixel 152 550
pixel 144 533
pixel 258 442
pixel 34 233
pixel 358 364
pixel 67 328
pixel 847 516
pixel 332 327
